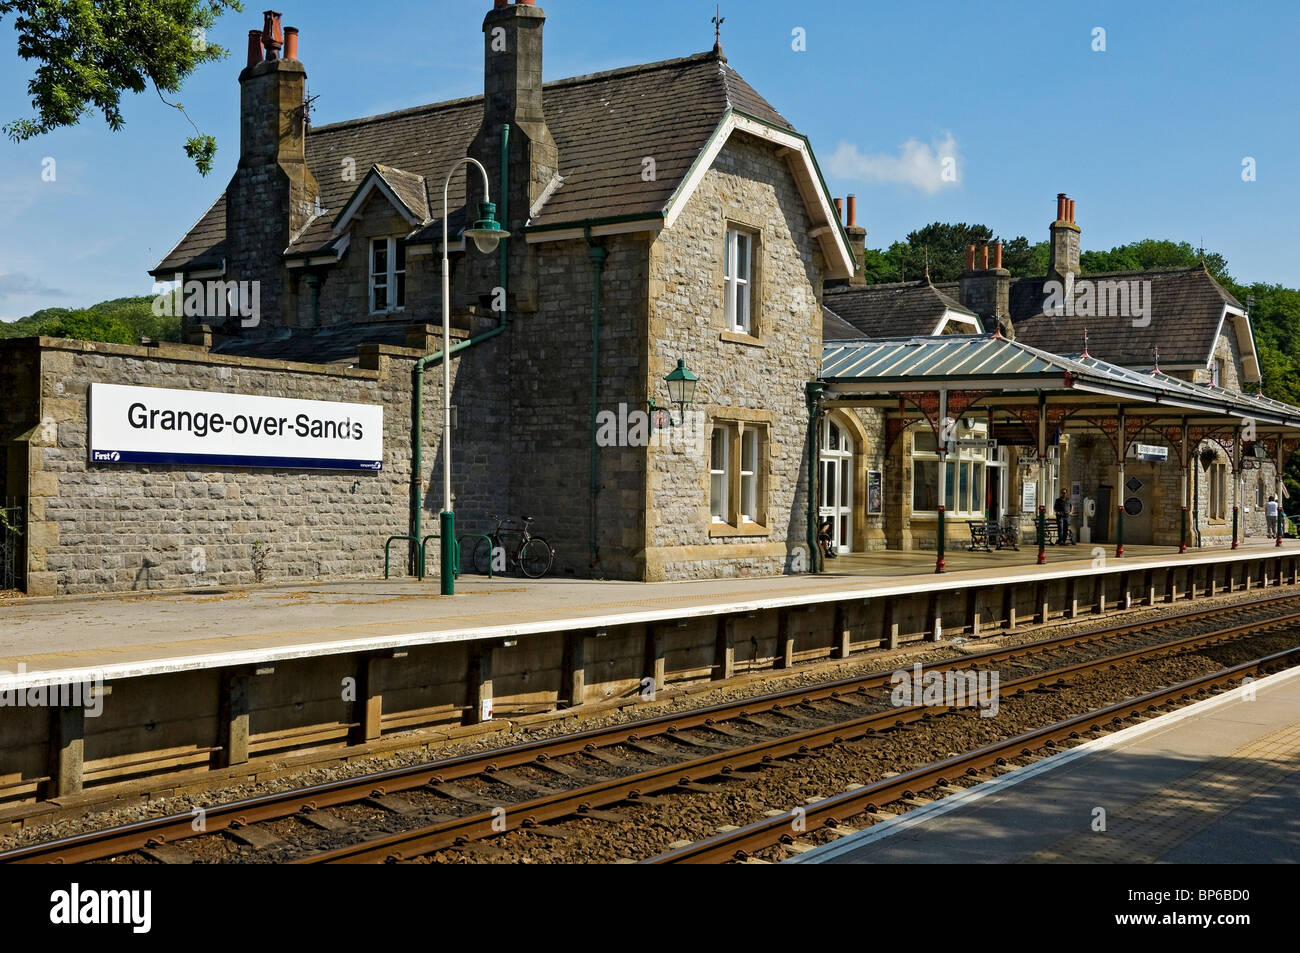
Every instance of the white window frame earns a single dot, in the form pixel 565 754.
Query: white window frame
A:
pixel 739 288
pixel 720 502
pixel 749 475
pixel 972 507
pixel 390 277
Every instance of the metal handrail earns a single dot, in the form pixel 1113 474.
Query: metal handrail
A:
pixel 388 552
pixel 460 549
pixel 455 568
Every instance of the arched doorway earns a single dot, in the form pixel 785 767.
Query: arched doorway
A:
pixel 836 483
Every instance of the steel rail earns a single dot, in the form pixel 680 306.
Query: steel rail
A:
pixel 741 844
pixel 124 839
pixel 406 845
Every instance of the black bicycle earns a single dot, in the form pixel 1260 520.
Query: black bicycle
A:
pixel 508 548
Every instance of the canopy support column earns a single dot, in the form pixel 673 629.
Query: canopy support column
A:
pixel 1182 489
pixel 1277 494
pixel 1042 480
pixel 945 431
pixel 1236 488
pixel 1121 450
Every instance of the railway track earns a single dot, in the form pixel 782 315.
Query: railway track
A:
pixel 720 740
pixel 832 812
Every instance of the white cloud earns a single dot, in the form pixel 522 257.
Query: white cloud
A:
pixel 929 168
pixel 19 285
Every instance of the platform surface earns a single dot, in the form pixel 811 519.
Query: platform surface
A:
pixel 123 636
pixel 1216 783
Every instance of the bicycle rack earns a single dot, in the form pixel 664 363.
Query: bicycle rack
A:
pixel 455 568
pixel 388 551
pixel 460 549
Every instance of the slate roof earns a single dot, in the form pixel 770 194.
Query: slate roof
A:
pixel 889 310
pixel 604 125
pixel 1186 308
pixel 885 365
pixel 835 328
pixel 337 344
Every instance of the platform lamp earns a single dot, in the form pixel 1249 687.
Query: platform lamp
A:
pixel 486 234
pixel 681 390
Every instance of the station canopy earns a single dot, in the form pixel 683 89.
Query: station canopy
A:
pixel 919 378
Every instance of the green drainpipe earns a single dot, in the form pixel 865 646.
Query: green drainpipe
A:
pixel 598 256
pixel 417 372
pixel 815 390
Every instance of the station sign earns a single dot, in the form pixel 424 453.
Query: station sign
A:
pixel 972 443
pixel 1152 454
pixel 155 425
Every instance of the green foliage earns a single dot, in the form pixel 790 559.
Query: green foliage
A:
pixel 89 53
pixel 1151 254
pixel 120 321
pixel 945 247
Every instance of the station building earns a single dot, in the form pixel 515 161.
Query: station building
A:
pixel 660 216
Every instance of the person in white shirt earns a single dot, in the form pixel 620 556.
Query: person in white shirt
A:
pixel 1270 511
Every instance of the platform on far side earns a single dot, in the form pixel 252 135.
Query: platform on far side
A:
pixel 1215 783
pixel 124 636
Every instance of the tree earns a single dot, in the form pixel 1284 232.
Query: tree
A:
pixel 1150 254
pixel 88 54
pixel 120 321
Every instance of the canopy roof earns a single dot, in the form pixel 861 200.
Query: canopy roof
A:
pixel 873 372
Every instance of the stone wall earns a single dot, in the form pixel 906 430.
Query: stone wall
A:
pixel 102 528
pixel 753 381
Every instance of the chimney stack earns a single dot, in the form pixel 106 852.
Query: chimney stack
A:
pixel 857 245
pixel 1064 240
pixel 512 86
pixel 273 194
pixel 985 290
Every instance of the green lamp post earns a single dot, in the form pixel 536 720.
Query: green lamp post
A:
pixel 485 235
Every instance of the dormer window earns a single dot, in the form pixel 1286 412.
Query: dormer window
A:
pixel 387 275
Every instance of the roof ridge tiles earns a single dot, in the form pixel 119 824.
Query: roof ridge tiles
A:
pixel 555 83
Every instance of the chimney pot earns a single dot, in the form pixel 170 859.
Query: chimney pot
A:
pixel 256 53
pixel 291 43
pixel 970 257
pixel 1070 211
pixel 984 258
pixel 501 4
pixel 853 211
pixel 839 210
pixel 1060 206
pixel 997 255
pixel 272 34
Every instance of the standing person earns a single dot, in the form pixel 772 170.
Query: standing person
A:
pixel 1270 510
pixel 1062 509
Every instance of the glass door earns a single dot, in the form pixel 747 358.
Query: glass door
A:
pixel 836 496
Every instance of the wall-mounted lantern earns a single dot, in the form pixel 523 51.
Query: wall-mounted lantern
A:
pixel 681 390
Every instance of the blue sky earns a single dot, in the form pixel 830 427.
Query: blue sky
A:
pixel 1148 136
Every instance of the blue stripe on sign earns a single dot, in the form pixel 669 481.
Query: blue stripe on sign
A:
pixel 226 460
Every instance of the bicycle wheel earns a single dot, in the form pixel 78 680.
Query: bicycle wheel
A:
pixel 482 556
pixel 535 558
